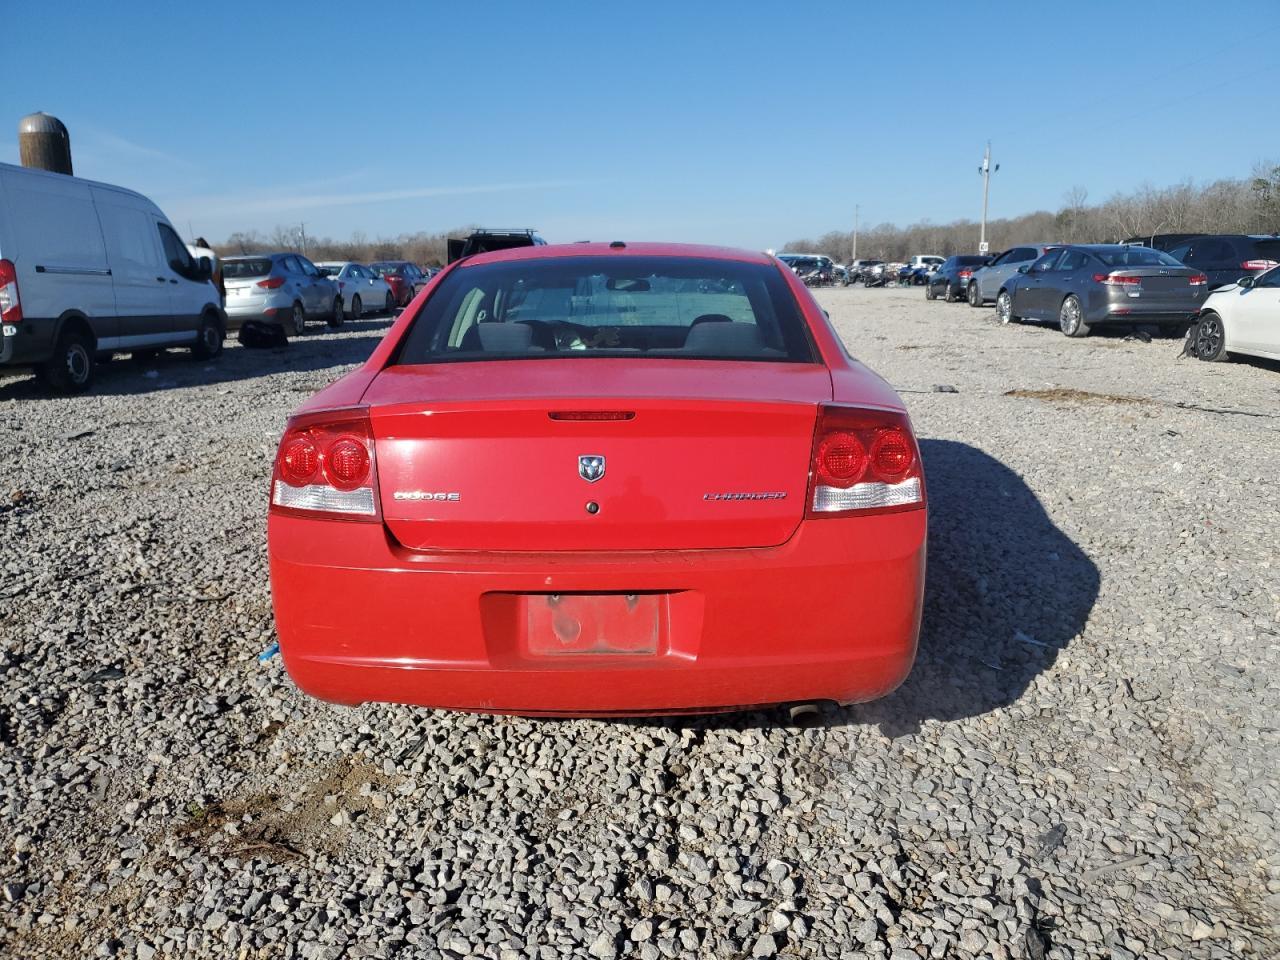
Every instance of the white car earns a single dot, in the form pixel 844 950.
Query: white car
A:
pixel 1243 317
pixel 363 291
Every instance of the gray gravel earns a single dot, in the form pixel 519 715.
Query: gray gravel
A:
pixel 1082 764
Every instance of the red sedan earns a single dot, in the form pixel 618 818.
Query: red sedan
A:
pixel 601 479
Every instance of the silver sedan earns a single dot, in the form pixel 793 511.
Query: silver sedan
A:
pixel 1084 286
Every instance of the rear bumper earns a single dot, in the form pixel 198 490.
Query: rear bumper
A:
pixel 833 614
pixel 32 343
pixel 1158 317
pixel 272 309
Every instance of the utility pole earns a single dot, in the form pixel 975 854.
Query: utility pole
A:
pixel 302 232
pixel 986 170
pixel 855 232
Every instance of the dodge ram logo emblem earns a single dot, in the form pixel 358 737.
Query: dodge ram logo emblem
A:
pixel 590 467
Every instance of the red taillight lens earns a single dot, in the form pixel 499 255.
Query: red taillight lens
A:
pixel 892 454
pixel 864 461
pixel 299 460
pixel 1197 280
pixel 841 460
pixel 10 300
pixel 1112 280
pixel 326 467
pixel 346 463
pixel 965 274
pixel 1259 264
pixel 271 283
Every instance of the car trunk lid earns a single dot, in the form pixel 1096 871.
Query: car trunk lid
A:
pixel 594 454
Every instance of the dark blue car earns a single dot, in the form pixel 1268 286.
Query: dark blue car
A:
pixel 952 277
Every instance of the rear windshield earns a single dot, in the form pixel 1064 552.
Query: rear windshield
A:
pixel 668 307
pixel 1267 249
pixel 1136 257
pixel 238 269
pixel 387 269
pixel 971 261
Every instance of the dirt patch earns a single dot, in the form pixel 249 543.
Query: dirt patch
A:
pixel 263 827
pixel 1064 395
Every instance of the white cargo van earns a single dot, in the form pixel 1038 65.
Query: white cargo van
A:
pixel 87 269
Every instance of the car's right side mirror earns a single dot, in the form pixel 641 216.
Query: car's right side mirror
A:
pixel 1245 282
pixel 1025 268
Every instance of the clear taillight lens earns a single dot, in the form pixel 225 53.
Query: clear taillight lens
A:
pixel 326 467
pixel 864 461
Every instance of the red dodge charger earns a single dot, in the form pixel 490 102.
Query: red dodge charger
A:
pixel 601 479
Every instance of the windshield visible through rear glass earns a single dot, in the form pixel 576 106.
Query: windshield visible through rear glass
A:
pixel 241 269
pixel 669 307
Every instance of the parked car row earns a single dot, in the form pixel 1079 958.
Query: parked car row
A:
pixel 1081 287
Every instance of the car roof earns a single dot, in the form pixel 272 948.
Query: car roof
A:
pixel 589 249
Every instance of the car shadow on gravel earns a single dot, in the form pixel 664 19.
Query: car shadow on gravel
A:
pixel 1005 591
pixel 174 369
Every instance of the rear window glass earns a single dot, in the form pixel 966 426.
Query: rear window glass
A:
pixel 387 269
pixel 971 261
pixel 235 269
pixel 1136 257
pixel 667 307
pixel 1267 249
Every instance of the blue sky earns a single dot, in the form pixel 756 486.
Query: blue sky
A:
pixel 740 123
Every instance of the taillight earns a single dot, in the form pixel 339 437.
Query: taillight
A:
pixel 965 274
pixel 1113 280
pixel 1197 280
pixel 864 461
pixel 271 283
pixel 326 467
pixel 10 300
pixel 342 284
pixel 1259 264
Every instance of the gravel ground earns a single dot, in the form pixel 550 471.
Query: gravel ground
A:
pixel 1082 764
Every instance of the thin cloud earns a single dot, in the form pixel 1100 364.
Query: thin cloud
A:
pixel 313 201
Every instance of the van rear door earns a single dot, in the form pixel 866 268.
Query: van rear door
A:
pixel 57 249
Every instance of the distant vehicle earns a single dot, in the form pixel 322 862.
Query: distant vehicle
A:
pixel 986 282
pixel 486 241
pixel 404 278
pixel 1243 317
pixel 879 273
pixel 87 269
pixel 814 269
pixel 925 261
pixel 1226 258
pixel 361 289
pixel 950 280
pixel 841 275
pixel 859 269
pixel 1083 286
pixel 281 289
pixel 1161 241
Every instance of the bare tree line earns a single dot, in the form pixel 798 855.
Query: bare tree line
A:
pixel 1247 205
pixel 425 249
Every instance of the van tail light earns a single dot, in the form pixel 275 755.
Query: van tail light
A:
pixel 271 283
pixel 1259 264
pixel 1197 279
pixel 10 300
pixel 1115 280
pixel 863 461
pixel 326 467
